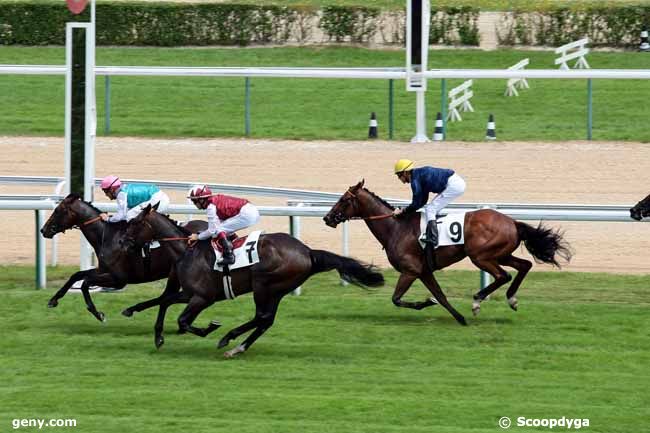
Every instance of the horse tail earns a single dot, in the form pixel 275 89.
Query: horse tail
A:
pixel 351 270
pixel 544 243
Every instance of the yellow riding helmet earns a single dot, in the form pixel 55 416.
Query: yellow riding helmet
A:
pixel 403 165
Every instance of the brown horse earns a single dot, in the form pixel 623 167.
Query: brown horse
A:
pixel 641 209
pixel 490 239
pixel 285 263
pixel 118 266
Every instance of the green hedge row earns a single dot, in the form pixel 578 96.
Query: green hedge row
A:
pixel 168 24
pixel 606 25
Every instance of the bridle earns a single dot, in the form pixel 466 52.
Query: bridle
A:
pixel 338 217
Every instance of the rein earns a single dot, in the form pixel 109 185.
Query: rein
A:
pixel 164 239
pixel 90 221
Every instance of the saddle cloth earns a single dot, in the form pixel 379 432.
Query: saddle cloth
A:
pixel 451 229
pixel 244 248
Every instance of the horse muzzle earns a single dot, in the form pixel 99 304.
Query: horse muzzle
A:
pixel 332 220
pixel 635 214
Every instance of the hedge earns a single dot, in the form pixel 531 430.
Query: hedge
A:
pixel 176 24
pixel 169 24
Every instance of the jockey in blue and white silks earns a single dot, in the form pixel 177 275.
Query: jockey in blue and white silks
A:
pixel 132 198
pixel 443 182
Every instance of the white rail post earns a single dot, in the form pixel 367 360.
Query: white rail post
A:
pixel 485 277
pixel 294 227
pixel 41 269
pixel 346 244
pixel 58 190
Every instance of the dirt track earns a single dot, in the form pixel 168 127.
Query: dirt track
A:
pixel 568 172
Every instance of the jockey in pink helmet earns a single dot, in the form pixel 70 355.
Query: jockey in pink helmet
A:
pixel 226 215
pixel 131 198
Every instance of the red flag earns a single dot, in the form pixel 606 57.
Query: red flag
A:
pixel 76 6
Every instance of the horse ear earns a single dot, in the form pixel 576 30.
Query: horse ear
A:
pixel 155 207
pixel 147 209
pixel 360 184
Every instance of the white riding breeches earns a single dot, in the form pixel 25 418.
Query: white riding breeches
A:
pixel 455 188
pixel 160 197
pixel 248 215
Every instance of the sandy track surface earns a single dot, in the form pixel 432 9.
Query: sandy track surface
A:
pixel 567 172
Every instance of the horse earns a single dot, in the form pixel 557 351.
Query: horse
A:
pixel 285 263
pixel 117 266
pixel 641 209
pixel 490 239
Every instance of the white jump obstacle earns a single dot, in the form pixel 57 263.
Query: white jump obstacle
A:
pixel 513 83
pixel 462 101
pixel 574 50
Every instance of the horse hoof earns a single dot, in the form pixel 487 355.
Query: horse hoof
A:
pixel 53 303
pixel 234 352
pixel 215 324
pixel 223 343
pixel 476 308
pixel 127 313
pixel 462 320
pixel 101 317
pixel 514 304
pixel 159 341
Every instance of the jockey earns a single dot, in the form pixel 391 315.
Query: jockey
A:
pixel 226 215
pixel 132 198
pixel 445 183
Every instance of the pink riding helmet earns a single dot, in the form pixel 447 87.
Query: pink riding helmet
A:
pixel 111 182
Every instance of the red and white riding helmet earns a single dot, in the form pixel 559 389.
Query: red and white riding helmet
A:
pixel 199 191
pixel 111 182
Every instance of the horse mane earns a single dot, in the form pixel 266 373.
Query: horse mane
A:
pixel 381 200
pixel 178 224
pixel 74 196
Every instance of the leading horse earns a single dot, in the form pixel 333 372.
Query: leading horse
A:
pixel 490 239
pixel 117 265
pixel 285 263
pixel 641 209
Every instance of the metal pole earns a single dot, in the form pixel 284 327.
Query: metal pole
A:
pixel 485 279
pixel 443 106
pixel 40 252
pixel 107 105
pixel 420 118
pixel 294 227
pixel 346 245
pixel 247 107
pixel 589 109
pixel 391 120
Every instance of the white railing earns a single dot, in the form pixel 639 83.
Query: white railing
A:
pixel 513 83
pixel 574 50
pixel 461 101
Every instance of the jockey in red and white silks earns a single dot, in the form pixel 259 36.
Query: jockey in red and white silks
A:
pixel 226 215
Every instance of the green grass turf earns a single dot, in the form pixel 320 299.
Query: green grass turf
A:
pixel 324 109
pixel 338 359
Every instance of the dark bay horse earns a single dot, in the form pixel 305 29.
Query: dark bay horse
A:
pixel 641 209
pixel 117 266
pixel 285 263
pixel 490 239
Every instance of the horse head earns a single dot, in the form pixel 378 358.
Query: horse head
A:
pixel 347 207
pixel 70 212
pixel 641 209
pixel 141 228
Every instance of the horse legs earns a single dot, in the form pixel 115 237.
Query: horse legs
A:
pixel 266 309
pixel 189 314
pixel 403 284
pixel 77 276
pixel 522 266
pixel 166 302
pixel 500 278
pixel 236 332
pixel 173 286
pixel 105 280
pixel 432 284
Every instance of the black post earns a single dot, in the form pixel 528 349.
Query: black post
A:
pixel 78 115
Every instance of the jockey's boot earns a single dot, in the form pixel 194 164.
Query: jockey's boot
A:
pixel 227 258
pixel 431 242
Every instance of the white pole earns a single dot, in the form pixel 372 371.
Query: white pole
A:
pixel 295 232
pixel 40 252
pixel 346 244
pixel 420 118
